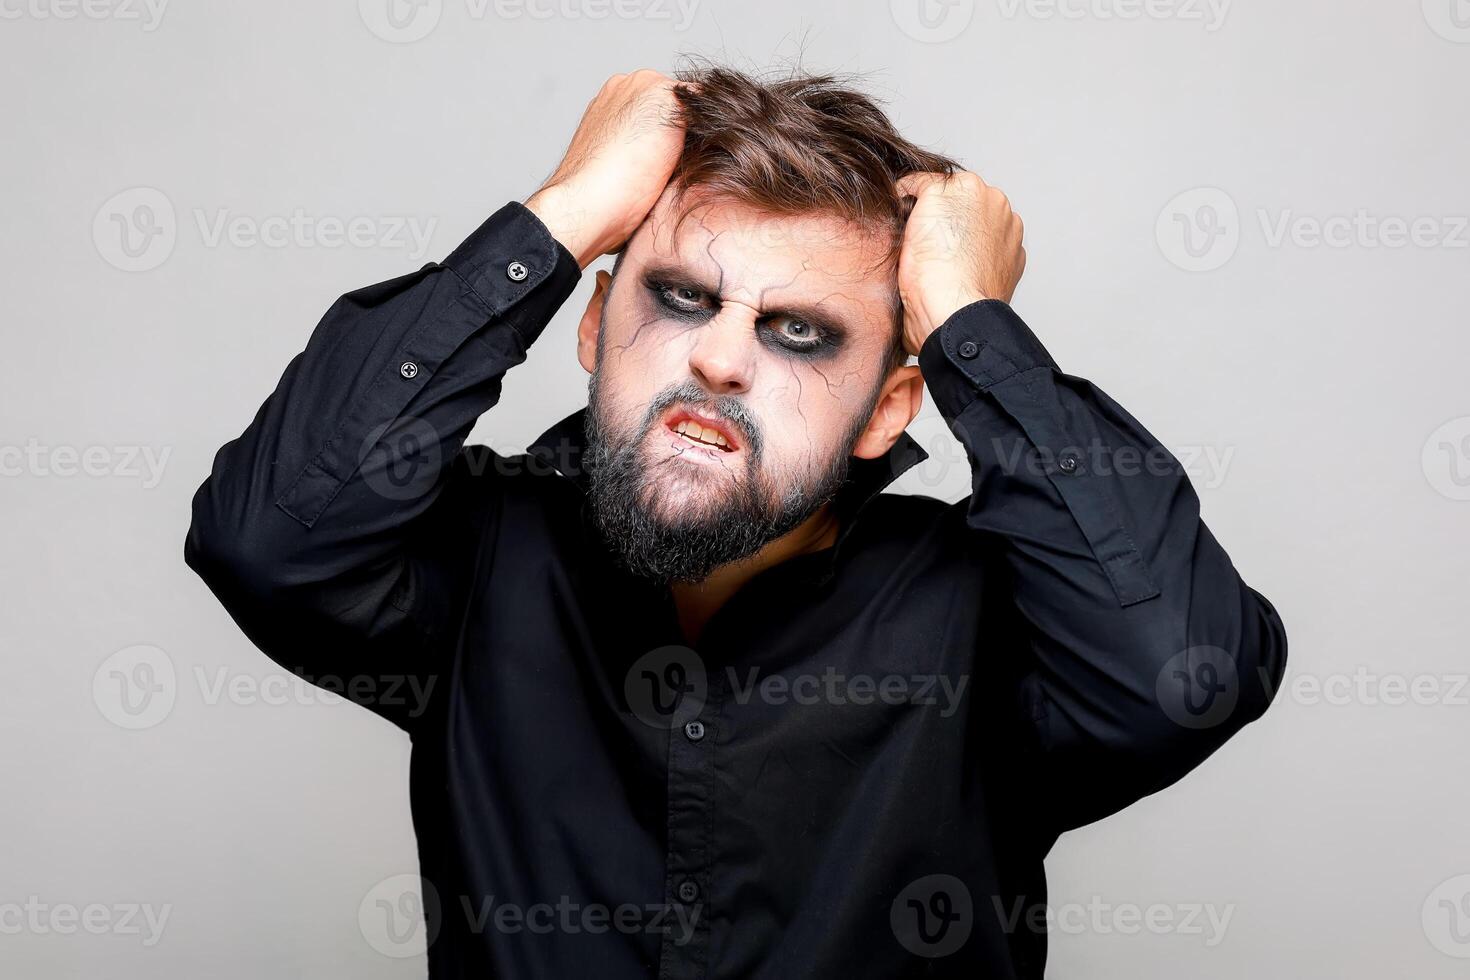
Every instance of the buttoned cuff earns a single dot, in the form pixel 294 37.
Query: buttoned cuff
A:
pixel 978 347
pixel 509 277
pixel 509 255
pixel 985 349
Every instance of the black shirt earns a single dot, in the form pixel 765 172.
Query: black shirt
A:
pixel 858 769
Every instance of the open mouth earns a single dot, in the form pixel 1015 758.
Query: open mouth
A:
pixel 705 433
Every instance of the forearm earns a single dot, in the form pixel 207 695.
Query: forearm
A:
pixel 1146 642
pixel 322 491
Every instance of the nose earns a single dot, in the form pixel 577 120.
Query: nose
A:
pixel 723 354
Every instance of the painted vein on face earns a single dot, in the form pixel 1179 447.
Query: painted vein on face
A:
pixel 657 310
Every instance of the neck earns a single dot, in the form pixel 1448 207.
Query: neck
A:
pixel 698 601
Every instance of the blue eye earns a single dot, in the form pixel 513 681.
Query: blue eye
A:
pixel 798 332
pixel 682 299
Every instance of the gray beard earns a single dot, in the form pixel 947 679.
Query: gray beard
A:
pixel 692 545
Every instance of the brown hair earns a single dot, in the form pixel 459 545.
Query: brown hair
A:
pixel 799 144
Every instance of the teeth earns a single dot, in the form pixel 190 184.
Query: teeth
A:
pixel 693 430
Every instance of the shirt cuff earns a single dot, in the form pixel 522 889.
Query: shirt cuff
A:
pixel 510 255
pixel 979 346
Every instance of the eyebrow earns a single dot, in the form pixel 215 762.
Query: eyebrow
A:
pixel 812 314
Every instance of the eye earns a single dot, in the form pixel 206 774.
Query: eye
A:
pixel 682 299
pixel 795 334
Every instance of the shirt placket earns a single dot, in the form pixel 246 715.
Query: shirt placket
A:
pixel 684 951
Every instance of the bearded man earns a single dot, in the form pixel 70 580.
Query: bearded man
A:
pixel 689 695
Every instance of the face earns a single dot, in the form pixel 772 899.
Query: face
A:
pixel 738 363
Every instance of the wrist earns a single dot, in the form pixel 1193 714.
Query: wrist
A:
pixel 931 312
pixel 569 224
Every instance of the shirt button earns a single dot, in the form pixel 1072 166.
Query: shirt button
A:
pixel 1068 462
pixel 688 890
pixel 408 369
pixel 517 271
pixel 969 349
pixel 695 730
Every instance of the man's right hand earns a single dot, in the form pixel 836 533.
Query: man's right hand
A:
pixel 617 165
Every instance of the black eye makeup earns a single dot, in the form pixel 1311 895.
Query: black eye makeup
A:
pixel 787 333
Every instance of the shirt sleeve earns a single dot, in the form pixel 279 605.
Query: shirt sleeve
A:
pixel 1143 651
pixel 339 528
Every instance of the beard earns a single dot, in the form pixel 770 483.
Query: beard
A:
pixel 739 512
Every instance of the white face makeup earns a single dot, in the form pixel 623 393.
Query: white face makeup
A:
pixel 742 352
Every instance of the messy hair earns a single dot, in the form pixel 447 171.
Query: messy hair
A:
pixel 799 144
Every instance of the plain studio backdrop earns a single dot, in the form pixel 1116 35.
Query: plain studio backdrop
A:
pixel 1245 221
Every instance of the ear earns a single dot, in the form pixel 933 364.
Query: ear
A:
pixel 902 396
pixel 592 322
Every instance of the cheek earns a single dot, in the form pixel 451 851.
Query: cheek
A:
pixel 807 409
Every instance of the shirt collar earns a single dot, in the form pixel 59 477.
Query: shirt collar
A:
pixel 564 444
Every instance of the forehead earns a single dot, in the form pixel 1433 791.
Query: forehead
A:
pixel 766 261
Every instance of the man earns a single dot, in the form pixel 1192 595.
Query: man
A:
pixel 692 698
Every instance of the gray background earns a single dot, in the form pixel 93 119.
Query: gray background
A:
pixel 1327 378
